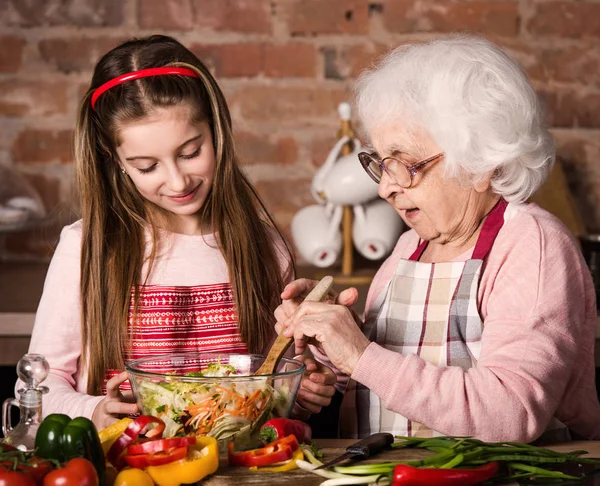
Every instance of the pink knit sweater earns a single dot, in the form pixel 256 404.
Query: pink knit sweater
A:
pixel 537 302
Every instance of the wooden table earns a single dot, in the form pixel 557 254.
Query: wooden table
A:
pixel 332 448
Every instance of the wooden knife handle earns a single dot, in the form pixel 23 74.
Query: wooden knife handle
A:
pixel 282 343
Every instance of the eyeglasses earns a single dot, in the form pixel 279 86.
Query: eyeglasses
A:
pixel 401 172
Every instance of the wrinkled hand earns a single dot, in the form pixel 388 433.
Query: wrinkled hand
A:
pixel 317 386
pixel 333 327
pixel 115 404
pixel 294 293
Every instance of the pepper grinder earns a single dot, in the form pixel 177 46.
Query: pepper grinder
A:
pixel 32 369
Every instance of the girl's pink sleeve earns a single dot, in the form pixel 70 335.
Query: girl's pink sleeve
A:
pixel 539 317
pixel 57 332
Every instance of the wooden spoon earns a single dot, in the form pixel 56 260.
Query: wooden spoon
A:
pixel 282 343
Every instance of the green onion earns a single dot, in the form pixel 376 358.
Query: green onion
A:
pixel 523 460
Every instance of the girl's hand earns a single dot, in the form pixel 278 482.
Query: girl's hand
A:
pixel 293 295
pixel 317 386
pixel 115 404
pixel 333 328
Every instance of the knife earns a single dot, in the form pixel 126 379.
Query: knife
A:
pixel 363 448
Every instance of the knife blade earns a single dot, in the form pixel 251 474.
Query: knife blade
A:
pixel 363 448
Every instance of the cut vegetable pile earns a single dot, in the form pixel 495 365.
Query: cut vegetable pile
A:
pixel 221 409
pixel 166 461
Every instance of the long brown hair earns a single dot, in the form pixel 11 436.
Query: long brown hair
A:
pixel 115 217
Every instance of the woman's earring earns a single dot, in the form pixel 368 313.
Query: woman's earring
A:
pixel 123 170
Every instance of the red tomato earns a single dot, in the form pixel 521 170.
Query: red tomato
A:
pixel 35 467
pixel 14 478
pixel 150 446
pixel 157 458
pixel 32 466
pixel 38 468
pixel 77 472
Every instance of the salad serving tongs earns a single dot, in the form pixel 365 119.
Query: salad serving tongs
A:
pixel 282 343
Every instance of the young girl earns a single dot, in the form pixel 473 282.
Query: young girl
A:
pixel 174 251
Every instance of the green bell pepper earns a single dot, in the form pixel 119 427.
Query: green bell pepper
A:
pixel 49 435
pixel 61 438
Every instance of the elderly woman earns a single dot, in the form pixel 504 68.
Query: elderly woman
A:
pixel 481 322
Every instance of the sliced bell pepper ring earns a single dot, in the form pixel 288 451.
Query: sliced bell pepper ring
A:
pixel 202 459
pixel 279 451
pixel 159 458
pixel 286 466
pixel 112 433
pixel 132 432
pixel 158 445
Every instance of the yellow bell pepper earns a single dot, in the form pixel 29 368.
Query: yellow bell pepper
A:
pixel 202 460
pixel 111 433
pixel 287 466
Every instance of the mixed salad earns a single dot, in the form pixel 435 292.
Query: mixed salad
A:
pixel 223 409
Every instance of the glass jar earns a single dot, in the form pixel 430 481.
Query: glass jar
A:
pixel 32 370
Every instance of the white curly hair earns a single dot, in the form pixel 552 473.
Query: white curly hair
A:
pixel 473 100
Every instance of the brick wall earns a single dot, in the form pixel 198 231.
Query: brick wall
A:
pixel 284 66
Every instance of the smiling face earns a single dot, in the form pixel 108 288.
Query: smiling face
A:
pixel 441 210
pixel 171 162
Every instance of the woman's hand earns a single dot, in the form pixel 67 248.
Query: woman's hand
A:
pixel 333 327
pixel 115 404
pixel 317 387
pixel 294 293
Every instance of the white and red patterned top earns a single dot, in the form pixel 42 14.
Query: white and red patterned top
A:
pixel 186 304
pixel 182 319
pixel 200 318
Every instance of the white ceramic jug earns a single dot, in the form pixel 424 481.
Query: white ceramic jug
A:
pixel 376 229
pixel 342 180
pixel 317 234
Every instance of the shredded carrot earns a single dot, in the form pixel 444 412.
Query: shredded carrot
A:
pixel 226 402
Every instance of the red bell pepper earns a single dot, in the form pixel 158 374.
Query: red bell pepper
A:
pixel 278 428
pixel 132 432
pixel 279 451
pixel 158 445
pixel 413 476
pixel 159 458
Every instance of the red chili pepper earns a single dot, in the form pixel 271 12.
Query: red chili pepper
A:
pixel 133 430
pixel 278 428
pixel 278 451
pixel 413 476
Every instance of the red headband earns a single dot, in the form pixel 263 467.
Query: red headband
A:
pixel 142 73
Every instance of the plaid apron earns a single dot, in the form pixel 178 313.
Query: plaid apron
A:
pixel 427 309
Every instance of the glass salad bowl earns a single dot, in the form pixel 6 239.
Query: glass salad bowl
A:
pixel 214 394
